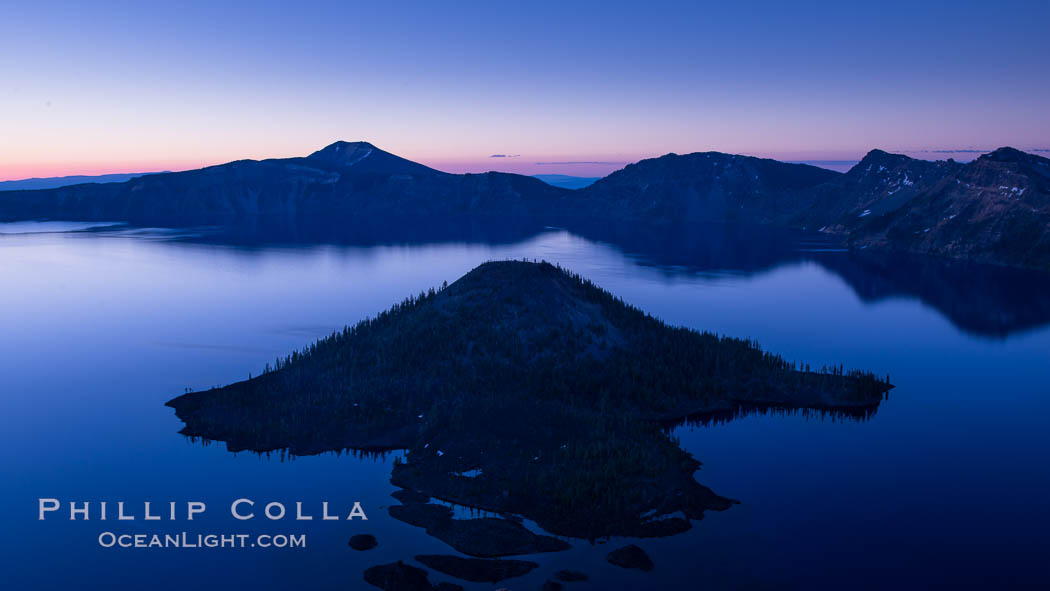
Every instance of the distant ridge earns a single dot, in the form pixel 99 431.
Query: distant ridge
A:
pixel 708 186
pixel 994 209
pixel 63 181
pixel 565 181
pixel 343 178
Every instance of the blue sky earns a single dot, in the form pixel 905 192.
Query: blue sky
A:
pixel 95 87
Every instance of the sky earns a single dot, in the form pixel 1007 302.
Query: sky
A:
pixel 578 88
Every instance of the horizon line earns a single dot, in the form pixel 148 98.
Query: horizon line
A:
pixel 482 164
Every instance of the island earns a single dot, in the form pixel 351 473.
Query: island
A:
pixel 526 391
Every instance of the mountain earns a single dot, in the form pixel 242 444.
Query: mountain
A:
pixel 879 183
pixel 565 181
pixel 995 209
pixel 519 388
pixel 363 157
pixel 707 186
pixel 356 178
pixel 63 181
pixel 345 178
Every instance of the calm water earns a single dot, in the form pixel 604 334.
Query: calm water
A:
pixel 946 485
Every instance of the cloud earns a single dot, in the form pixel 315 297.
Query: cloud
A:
pixel 959 151
pixel 505 156
pixel 582 162
pixel 971 150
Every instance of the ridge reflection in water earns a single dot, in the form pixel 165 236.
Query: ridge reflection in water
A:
pixel 944 486
pixel 982 300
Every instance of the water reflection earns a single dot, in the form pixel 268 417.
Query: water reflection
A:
pixel 859 414
pixel 982 300
pixel 95 427
pixel 545 406
pixel 569 474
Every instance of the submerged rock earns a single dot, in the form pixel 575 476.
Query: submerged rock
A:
pixel 398 576
pixel 570 576
pixel 363 542
pixel 630 557
pixel 485 537
pixel 478 570
pixel 410 496
pixel 551 586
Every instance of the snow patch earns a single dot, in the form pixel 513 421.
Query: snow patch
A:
pixel 368 152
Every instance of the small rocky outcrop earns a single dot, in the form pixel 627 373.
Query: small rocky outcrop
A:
pixel 363 542
pixel 478 570
pixel 570 576
pixel 631 557
pixel 398 576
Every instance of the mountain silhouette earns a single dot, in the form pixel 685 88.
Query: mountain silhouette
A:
pixel 995 209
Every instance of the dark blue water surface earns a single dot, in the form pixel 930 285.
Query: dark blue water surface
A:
pixel 945 486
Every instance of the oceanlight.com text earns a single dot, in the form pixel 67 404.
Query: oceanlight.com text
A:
pixel 108 539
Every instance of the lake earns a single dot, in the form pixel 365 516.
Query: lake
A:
pixel 946 484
